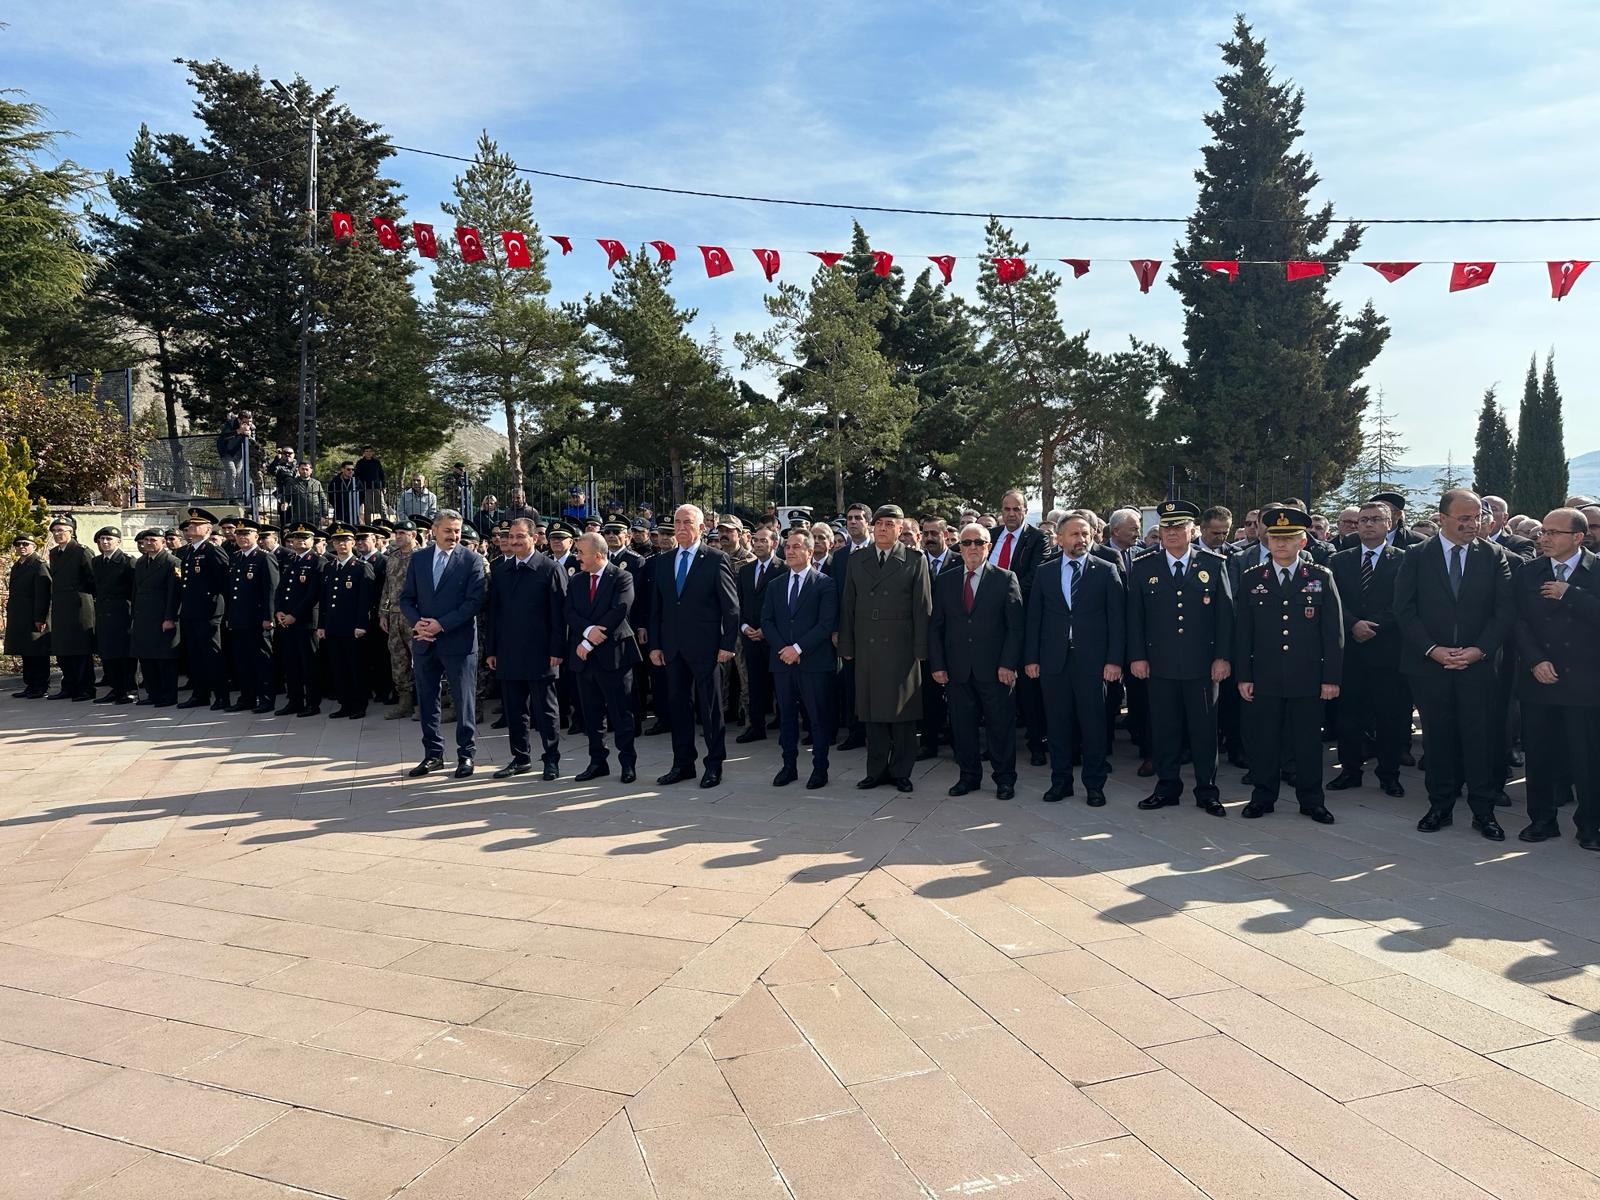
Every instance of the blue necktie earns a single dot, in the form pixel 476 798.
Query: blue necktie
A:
pixel 683 568
pixel 794 594
pixel 1072 586
pixel 440 562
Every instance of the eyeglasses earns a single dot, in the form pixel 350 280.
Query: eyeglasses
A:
pixel 1563 532
pixel 973 542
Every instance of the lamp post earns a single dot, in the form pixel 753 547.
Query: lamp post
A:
pixel 306 430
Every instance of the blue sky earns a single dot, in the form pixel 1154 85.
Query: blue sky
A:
pixel 1466 108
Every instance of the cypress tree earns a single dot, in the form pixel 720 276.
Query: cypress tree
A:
pixel 1494 454
pixel 1541 467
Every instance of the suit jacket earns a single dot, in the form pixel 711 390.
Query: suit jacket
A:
pixel 1114 554
pixel 157 589
pixel 973 646
pixel 883 625
pixel 1376 605
pixel 632 562
pixel 811 626
pixel 527 623
pixel 705 618
pixel 750 595
pixel 455 603
pixel 1288 640
pixel 613 598
pixel 1095 629
pixel 1561 632
pixel 1429 615
pixel 1513 544
pixel 1180 631
pixel 1026 552
pixel 113 602
pixel 1403 539
pixel 950 561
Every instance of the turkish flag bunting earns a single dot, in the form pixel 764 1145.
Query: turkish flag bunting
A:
pixel 1080 266
pixel 516 249
pixel 344 228
pixel 1464 275
pixel 882 261
pixel 717 261
pixel 1302 269
pixel 769 262
pixel 665 252
pixel 388 235
pixel 1009 270
pixel 829 257
pixel 1222 266
pixel 471 244
pixel 427 244
pixel 1393 270
pixel 564 242
pixel 1145 270
pixel 615 251
pixel 945 262
pixel 1564 274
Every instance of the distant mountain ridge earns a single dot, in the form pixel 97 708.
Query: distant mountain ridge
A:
pixel 1583 476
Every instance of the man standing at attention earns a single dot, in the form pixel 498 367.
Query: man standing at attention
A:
pixel 525 642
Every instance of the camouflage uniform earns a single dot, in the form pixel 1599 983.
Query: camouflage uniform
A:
pixel 736 668
pixel 399 632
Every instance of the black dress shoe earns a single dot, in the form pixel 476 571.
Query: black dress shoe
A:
pixel 513 768
pixel 1146 769
pixel 676 775
pixel 314 710
pixel 60 696
pixel 1038 758
pixel 499 723
pixel 1095 799
pixel 261 710
pixel 1342 783
pixel 1540 831
pixel 1005 791
pixel 711 778
pixel 1057 792
pixel 194 702
pixel 552 771
pixel 108 698
pixel 237 708
pixel 84 697
pixel 853 743
pixel 657 728
pixel 220 706
pixel 145 701
pixel 339 713
pixel 426 767
pixel 818 779
pixel 1393 787
pixel 753 734
pixel 1214 807
pixel 288 710
pixel 1489 828
pixel 356 714
pixel 1589 841
pixel 464 769
pixel 869 782
pixel 1501 800
pixel 592 771
pixel 1406 760
pixel 785 777
pixel 902 785
pixel 629 775
pixel 1158 801
pixel 1320 815
pixel 958 788
pixel 166 704
pixel 1248 780
pixel 1254 810
pixel 1433 820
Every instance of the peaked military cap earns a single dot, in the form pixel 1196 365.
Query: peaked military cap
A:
pixel 1284 522
pixel 1176 512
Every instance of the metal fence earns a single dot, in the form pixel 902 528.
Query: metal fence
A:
pixel 747 488
pixel 1239 491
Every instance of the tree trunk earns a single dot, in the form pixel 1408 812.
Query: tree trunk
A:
pixel 1047 476
pixel 513 442
pixel 838 464
pixel 169 396
pixel 675 463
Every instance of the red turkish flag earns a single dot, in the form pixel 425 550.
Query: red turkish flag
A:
pixel 516 249
pixel 828 257
pixel 1009 270
pixel 471 244
pixel 344 228
pixel 1393 270
pixel 427 244
pixel 615 251
pixel 882 262
pixel 1300 268
pixel 1080 266
pixel 1564 274
pixel 1464 275
pixel 1145 270
pixel 665 252
pixel 945 262
pixel 388 235
pixel 717 261
pixel 564 242
pixel 769 262
pixel 1222 266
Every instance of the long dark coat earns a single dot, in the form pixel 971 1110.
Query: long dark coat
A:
pixel 883 625
pixel 113 603
pixel 71 600
pixel 28 604
pixel 157 593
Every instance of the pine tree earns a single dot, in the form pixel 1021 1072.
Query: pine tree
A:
pixel 1276 359
pixel 1379 465
pixel 505 349
pixel 1541 466
pixel 1494 455
pixel 1450 477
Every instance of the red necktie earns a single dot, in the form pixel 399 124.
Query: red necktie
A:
pixel 1004 561
pixel 967 599
pixel 594 586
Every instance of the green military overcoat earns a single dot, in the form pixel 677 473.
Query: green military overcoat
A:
pixel 883 626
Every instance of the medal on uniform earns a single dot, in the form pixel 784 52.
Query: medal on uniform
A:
pixel 249 575
pixel 1203 576
pixel 349 583
pixel 1310 613
pixel 1205 598
pixel 303 577
pixel 1154 580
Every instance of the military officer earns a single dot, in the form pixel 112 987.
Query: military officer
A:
pixel 393 623
pixel 1288 658
pixel 369 549
pixel 252 597
pixel 71 611
pixel 113 609
pixel 153 622
pixel 205 584
pixel 295 612
pixel 28 617
pixel 344 613
pixel 1180 639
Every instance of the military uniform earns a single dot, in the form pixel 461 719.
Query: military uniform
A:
pixel 1288 645
pixel 380 684
pixel 72 615
pixel 299 591
pixel 398 637
pixel 252 598
pixel 157 593
pixel 345 607
pixel 28 621
pixel 113 611
pixel 205 589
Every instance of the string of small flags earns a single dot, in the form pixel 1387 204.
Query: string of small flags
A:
pixel 1564 273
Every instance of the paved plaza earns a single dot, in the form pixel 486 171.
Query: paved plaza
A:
pixel 244 957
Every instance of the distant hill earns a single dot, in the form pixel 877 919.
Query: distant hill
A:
pixel 1583 473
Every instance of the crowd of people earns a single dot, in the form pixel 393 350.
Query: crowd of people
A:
pixel 893 634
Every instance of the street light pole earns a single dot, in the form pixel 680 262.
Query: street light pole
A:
pixel 306 428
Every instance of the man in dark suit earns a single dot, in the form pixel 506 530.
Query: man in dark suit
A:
pixel 252 589
pixel 1499 514
pixel 344 619
pixel 295 611
pixel 113 612
pixel 694 621
pixel 799 616
pixel 1558 611
pixel 942 556
pixel 1019 547
pixel 525 643
pixel 71 610
pixel 153 622
pixel 442 596
pixel 1400 534
pixel 1180 638
pixel 974 650
pixel 1454 604
pixel 857 538
pixel 205 589
pixel 1373 692
pixel 1076 639
pixel 753 579
pixel 602 653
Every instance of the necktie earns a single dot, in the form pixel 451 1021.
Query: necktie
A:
pixel 1004 561
pixel 594 586
pixel 794 594
pixel 440 562
pixel 1455 570
pixel 760 566
pixel 1367 567
pixel 967 594
pixel 1072 583
pixel 1561 572
pixel 683 569
pixel 1177 572
pixel 1283 577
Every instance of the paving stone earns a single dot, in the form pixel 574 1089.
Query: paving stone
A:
pixel 718 1158
pixel 936 937
pixel 1407 1047
pixel 33 1079
pixel 1070 971
pixel 735 960
pixel 579 978
pixel 609 1164
pixel 378 1034
pixel 916 997
pixel 1463 1022
pixel 689 1088
pixel 466 964
pixel 1140 1015
pixel 328 944
pixel 632 1049
pixel 845 925
pixel 1544 1117
pixel 334 1155
pixel 1558 1065
pixel 1116 1169
pixel 1162 970
pixel 555 1018
pixel 163 1177
pixel 162 1114
pixel 222 1005
pixel 45 1162
pixel 856 1039
pixel 804 962
pixel 752 1024
pixel 779 1086
pixel 228 964
pixel 166 1047
pixel 395 991
pixel 486 1054
pixel 67 1026
pixel 840 1157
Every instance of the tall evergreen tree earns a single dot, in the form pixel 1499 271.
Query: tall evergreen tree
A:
pixel 1541 467
pixel 505 349
pixel 1494 455
pixel 1276 358
pixel 1379 465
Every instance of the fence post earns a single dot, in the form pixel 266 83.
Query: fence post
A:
pixel 1172 481
pixel 249 482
